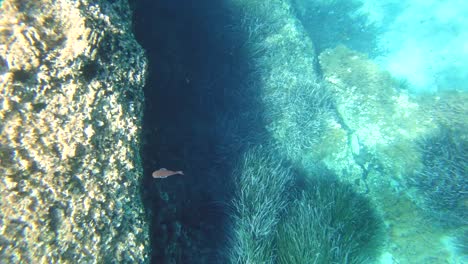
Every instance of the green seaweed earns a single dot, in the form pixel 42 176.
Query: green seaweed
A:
pixel 329 223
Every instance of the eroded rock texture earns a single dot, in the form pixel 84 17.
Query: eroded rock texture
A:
pixel 71 77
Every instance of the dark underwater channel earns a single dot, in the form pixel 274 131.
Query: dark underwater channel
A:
pixel 198 84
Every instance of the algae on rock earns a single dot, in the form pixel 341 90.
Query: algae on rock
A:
pixel 381 120
pixel 384 124
pixel 296 105
pixel 71 78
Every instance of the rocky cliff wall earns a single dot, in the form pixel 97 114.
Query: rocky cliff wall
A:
pixel 71 79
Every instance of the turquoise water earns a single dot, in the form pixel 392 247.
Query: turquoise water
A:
pixel 425 41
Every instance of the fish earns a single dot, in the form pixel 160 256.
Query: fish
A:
pixel 164 173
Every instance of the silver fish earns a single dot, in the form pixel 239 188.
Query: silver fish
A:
pixel 164 173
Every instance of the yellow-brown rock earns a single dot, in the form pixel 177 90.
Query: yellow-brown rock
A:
pixel 71 78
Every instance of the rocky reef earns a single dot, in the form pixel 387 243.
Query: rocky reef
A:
pixel 405 150
pixel 298 113
pixel 339 113
pixel 71 79
pixel 381 121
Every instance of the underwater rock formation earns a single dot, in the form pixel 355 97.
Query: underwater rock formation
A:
pixel 71 77
pixel 297 111
pixel 380 119
pixel 397 145
pixel 296 105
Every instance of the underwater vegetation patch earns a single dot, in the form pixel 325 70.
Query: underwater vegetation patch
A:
pixel 442 182
pixel 333 22
pixel 329 223
pixel 262 182
pixel 319 220
pixel 300 116
pixel 461 243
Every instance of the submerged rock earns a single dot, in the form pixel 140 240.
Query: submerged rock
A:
pixel 409 150
pixel 71 77
pixel 381 120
